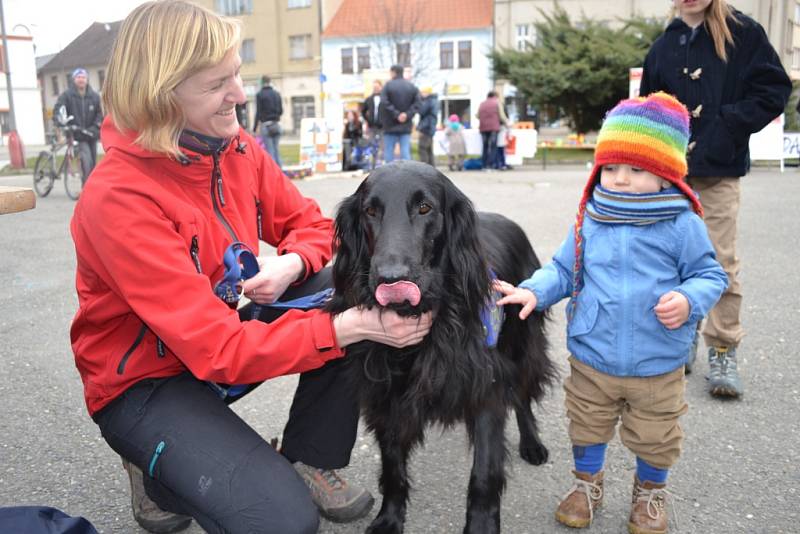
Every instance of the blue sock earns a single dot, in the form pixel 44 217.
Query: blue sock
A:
pixel 589 459
pixel 649 473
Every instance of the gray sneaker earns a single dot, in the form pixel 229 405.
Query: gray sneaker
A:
pixel 336 499
pixel 147 513
pixel 689 365
pixel 723 376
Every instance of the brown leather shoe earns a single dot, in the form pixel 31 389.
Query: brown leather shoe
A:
pixel 577 508
pixel 336 499
pixel 147 513
pixel 649 509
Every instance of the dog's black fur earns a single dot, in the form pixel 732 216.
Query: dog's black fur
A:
pixel 408 221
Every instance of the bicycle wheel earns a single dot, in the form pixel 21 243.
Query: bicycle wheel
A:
pixel 44 173
pixel 73 176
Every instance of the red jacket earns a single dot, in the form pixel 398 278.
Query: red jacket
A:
pixel 143 228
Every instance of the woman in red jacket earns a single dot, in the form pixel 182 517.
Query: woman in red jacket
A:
pixel 158 352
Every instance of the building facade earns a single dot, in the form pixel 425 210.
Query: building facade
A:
pixel 442 44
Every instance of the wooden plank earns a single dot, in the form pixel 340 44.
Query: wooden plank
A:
pixel 14 199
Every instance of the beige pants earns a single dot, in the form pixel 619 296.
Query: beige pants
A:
pixel 720 200
pixel 649 408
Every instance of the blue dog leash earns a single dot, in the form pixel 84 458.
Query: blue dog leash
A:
pixel 241 264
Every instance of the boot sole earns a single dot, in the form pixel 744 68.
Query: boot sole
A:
pixel 165 527
pixel 573 522
pixel 352 512
pixel 634 529
pixel 723 391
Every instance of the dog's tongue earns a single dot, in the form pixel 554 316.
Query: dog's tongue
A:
pixel 397 292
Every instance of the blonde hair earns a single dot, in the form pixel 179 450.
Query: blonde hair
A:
pixel 716 19
pixel 161 44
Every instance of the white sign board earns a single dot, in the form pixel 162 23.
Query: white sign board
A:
pixel 767 144
pixel 522 146
pixel 320 145
pixel 791 145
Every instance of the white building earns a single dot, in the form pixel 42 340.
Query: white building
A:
pixel 26 96
pixel 442 43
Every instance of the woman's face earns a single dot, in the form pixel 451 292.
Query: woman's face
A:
pixel 691 8
pixel 208 98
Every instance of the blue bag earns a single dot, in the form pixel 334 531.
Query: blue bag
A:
pixel 42 520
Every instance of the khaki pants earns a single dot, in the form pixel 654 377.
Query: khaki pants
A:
pixel 720 200
pixel 649 408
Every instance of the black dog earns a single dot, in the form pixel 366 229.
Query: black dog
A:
pixel 409 240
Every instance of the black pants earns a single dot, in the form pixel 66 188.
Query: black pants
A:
pixel 426 149
pixel 489 148
pixel 214 466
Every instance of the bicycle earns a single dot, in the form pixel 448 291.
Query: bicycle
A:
pixel 47 170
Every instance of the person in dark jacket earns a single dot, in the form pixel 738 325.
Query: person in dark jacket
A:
pixel 269 109
pixel 427 125
pixel 370 110
pixel 82 104
pixel 400 101
pixel 720 64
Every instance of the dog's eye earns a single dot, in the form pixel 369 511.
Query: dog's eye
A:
pixel 424 208
pixel 371 211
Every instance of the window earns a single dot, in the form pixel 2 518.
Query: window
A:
pixel 404 54
pixel 297 4
pixel 347 61
pixel 235 7
pixel 446 55
pixel 248 51
pixel 300 46
pixel 526 36
pixel 54 85
pixel 302 107
pixel 363 58
pixel 101 78
pixel 465 54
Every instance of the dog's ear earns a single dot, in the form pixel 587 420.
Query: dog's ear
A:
pixel 464 256
pixel 350 244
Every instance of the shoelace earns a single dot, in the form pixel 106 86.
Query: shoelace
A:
pixel 655 498
pixel 592 491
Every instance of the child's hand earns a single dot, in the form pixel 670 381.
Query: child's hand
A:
pixel 516 295
pixel 672 309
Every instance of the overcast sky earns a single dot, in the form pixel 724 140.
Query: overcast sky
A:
pixel 55 23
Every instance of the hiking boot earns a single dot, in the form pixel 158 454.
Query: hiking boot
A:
pixel 336 499
pixel 687 367
pixel 723 376
pixel 649 508
pixel 147 513
pixel 577 507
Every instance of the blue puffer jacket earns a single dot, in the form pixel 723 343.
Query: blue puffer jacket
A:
pixel 627 269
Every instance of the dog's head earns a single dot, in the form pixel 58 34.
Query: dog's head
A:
pixel 406 239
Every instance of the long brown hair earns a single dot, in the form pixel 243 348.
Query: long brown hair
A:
pixel 716 18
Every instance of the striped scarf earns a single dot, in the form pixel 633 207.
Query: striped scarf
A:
pixel 614 207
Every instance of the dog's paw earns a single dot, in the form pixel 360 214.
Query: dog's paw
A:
pixel 384 524
pixel 534 452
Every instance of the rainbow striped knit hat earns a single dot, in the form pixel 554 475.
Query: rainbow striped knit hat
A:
pixel 650 133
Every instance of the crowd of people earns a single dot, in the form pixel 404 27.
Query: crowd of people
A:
pixel 161 400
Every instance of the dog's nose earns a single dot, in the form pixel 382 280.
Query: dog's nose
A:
pixel 392 271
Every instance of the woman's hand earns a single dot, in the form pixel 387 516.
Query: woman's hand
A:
pixel 276 274
pixel 380 325
pixel 516 295
pixel 672 309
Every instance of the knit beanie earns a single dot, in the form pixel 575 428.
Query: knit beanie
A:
pixel 649 133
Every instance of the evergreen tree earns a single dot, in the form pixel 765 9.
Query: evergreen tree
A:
pixel 582 69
